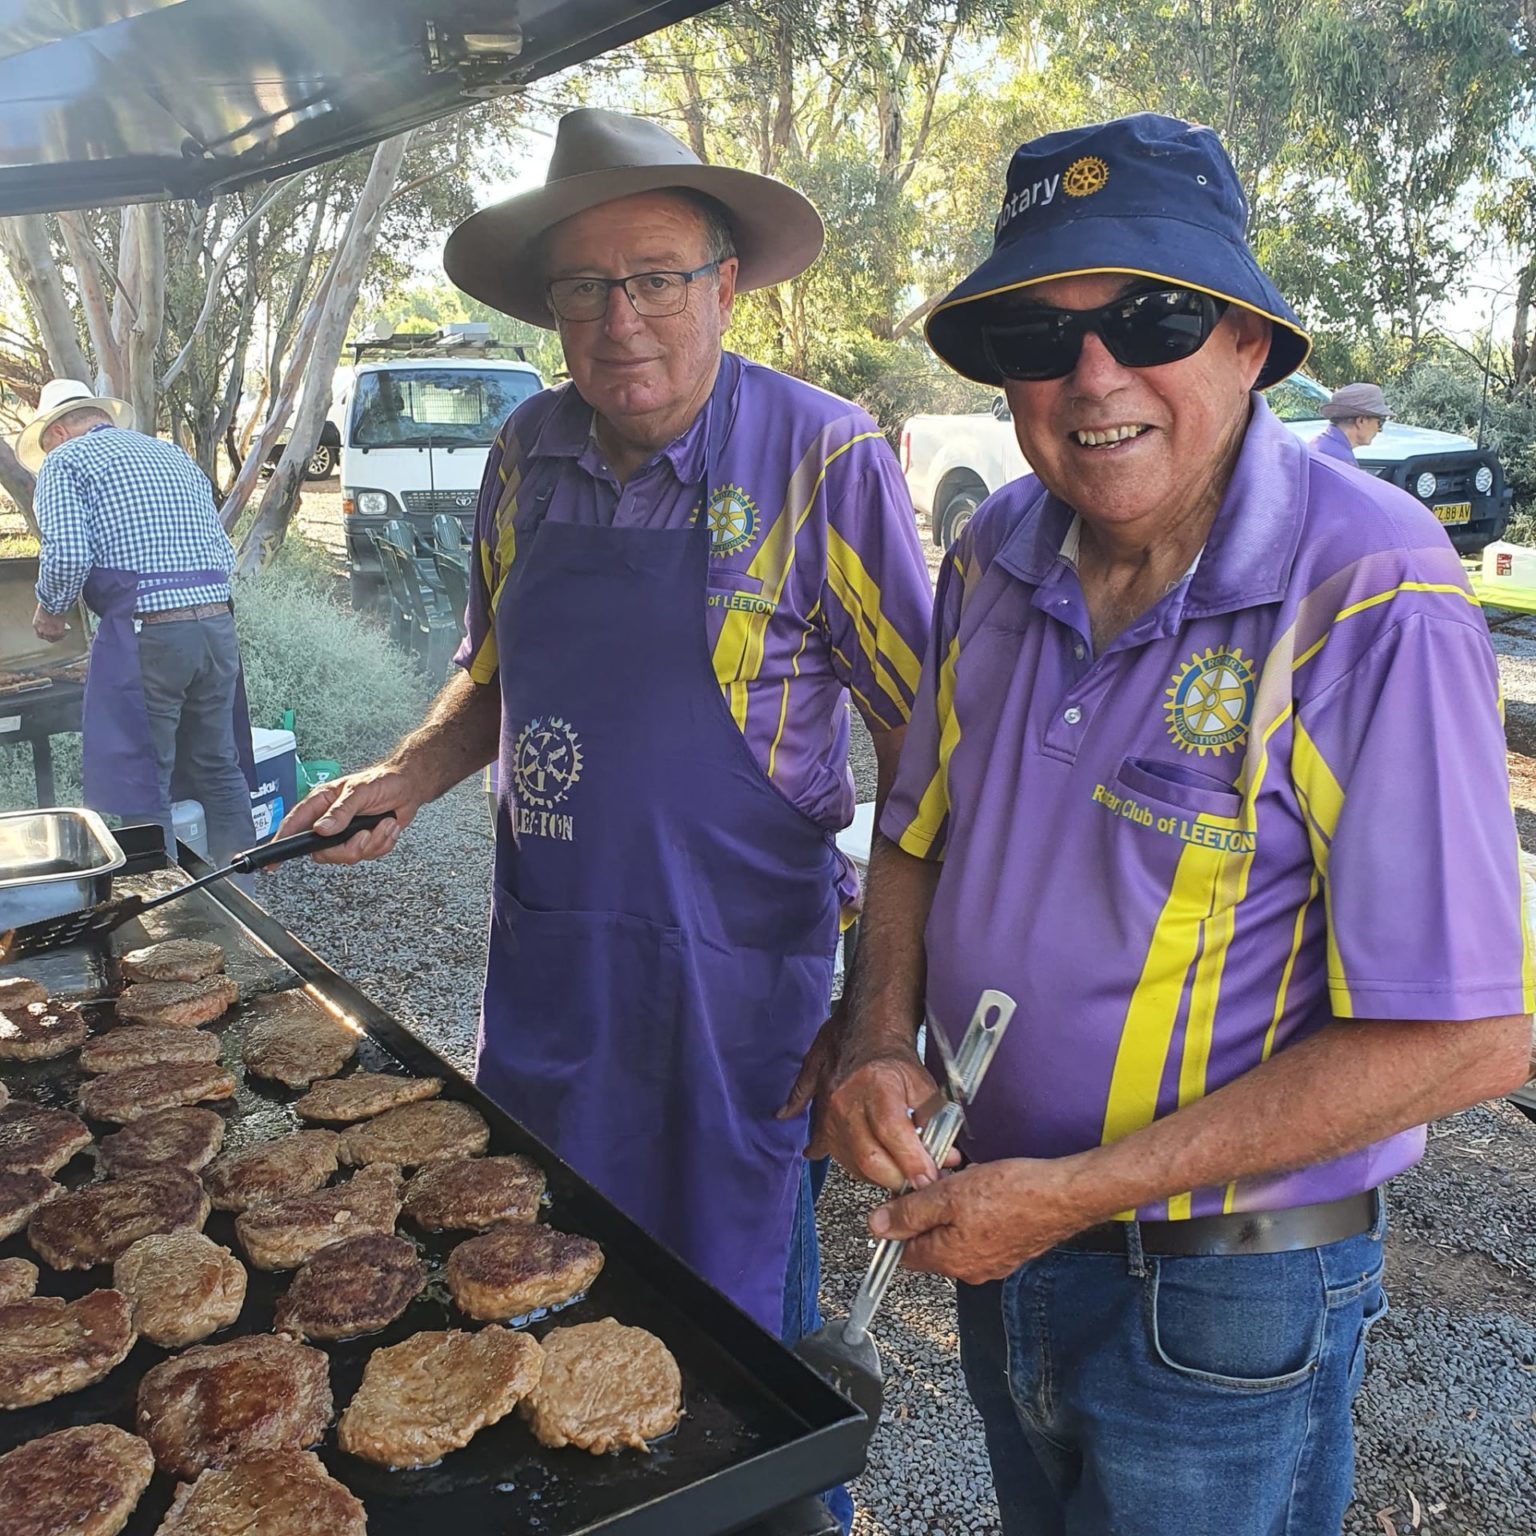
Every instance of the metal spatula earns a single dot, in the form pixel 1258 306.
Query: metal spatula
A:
pixel 842 1351
pixel 56 932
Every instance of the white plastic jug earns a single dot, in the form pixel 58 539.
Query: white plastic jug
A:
pixel 1514 563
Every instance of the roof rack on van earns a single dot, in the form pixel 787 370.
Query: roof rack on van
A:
pixel 466 338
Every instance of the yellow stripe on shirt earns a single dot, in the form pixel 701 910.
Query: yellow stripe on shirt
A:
pixel 1321 798
pixel 859 594
pixel 918 836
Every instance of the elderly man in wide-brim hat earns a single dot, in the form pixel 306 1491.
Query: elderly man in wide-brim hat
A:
pixel 1355 414
pixel 1206 772
pixel 684 566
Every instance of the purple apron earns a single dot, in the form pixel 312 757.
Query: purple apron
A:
pixel 663 919
pixel 119 767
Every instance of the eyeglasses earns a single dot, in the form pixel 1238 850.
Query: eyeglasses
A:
pixel 653 294
pixel 1141 330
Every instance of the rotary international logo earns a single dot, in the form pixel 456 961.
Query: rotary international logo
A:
pixel 1085 177
pixel 1210 703
pixel 732 521
pixel 546 761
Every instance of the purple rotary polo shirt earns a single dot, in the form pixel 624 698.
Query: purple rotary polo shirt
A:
pixel 1332 443
pixel 1279 797
pixel 817 586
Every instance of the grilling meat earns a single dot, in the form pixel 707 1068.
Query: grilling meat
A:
pixel 294 1042
pixel 44 1139
pixel 22 1191
pixel 18 1280
pixel 273 1170
pixel 145 1045
pixel 18 991
pixel 135 1091
pixel 604 1386
pixel 363 1095
pixel 435 1392
pixel 39 1031
pixel 434 1132
pixel 215 1402
pixel 85 1227
pixel 514 1270
pixel 181 1286
pixel 49 1346
pixel 282 1235
pixel 168 1138
pixel 272 1493
pixel 5 1095
pixel 83 1481
pixel 352 1287
pixel 173 960
pixel 474 1193
pixel 178 1004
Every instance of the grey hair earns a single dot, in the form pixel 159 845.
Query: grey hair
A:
pixel 76 420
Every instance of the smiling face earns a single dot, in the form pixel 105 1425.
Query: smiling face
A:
pixel 1137 449
pixel 646 377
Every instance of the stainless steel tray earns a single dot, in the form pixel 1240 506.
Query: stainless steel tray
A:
pixel 53 862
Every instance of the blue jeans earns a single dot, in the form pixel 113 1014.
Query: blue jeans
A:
pixel 1132 1395
pixel 802 1282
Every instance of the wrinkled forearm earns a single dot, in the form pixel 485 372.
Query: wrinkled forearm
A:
pixel 890 973
pixel 459 737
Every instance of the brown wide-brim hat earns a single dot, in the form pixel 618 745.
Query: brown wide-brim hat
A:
pixel 1356 400
pixel 600 156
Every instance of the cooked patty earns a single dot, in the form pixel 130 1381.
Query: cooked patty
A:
pixel 44 1139
pixel 18 991
pixel 85 1227
pixel 146 1045
pixel 272 1493
pixel 168 1138
pixel 214 1402
pixel 341 1100
pixel 135 1091
pixel 474 1193
pixel 18 1280
pixel 49 1346
pixel 516 1269
pixel 413 1134
pixel 294 1042
pixel 83 1481
pixel 173 960
pixel 22 1191
pixel 179 1004
pixel 604 1386
pixel 181 1286
pixel 273 1170
pixel 40 1031
pixel 286 1232
pixel 435 1392
pixel 356 1286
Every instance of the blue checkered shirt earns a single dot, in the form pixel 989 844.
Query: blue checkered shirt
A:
pixel 124 501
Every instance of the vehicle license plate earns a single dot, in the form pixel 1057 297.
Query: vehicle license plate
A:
pixel 1454 512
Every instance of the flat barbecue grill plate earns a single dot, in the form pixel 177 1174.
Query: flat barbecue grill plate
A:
pixel 760 1429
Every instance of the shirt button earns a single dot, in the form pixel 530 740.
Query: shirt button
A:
pixel 1073 715
pixel 1079 650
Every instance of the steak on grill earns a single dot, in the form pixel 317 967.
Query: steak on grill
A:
pixel 294 1041
pixel 168 1138
pixel 414 1134
pixel 173 960
pixel 181 1286
pixel 178 1004
pixel 355 1286
pixel 273 1170
pixel 40 1031
pixel 135 1091
pixel 341 1100
pixel 604 1386
pixel 44 1139
pixel 18 991
pixel 435 1392
pixel 49 1346
pixel 271 1493
pixel 22 1191
pixel 82 1481
pixel 85 1227
pixel 474 1193
pixel 146 1045
pixel 514 1270
pixel 286 1232
pixel 18 1280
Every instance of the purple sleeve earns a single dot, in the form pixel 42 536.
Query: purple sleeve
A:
pixel 877 601
pixel 1400 770
pixel 477 651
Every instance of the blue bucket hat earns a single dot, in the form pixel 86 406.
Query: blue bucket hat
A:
pixel 1148 196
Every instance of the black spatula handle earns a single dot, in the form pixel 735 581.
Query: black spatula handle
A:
pixel 295 847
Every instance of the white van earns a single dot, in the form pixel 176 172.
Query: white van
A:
pixel 416 433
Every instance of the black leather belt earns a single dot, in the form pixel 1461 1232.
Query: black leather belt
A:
pixel 198 611
pixel 1303 1226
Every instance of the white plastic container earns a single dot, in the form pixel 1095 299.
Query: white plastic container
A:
pixel 277 779
pixel 191 826
pixel 1514 563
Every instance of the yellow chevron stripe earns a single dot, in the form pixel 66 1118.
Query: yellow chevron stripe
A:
pixel 794 670
pixel 1448 587
pixel 918 835
pixel 877 638
pixel 1322 801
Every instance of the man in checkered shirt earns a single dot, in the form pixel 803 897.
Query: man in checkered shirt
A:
pixel 128 522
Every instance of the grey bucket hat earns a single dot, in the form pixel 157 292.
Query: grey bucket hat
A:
pixel 1356 400
pixel 600 156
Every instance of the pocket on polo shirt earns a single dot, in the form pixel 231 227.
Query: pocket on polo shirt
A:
pixel 1179 788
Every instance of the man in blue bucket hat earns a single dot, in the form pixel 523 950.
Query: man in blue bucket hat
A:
pixel 1206 771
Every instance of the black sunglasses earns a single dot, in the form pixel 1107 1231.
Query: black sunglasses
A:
pixel 1140 330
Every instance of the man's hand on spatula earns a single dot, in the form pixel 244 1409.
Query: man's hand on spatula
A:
pixel 331 807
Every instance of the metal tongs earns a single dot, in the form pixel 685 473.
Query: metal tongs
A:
pixel 843 1352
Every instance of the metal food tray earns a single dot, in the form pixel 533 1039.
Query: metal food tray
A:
pixel 760 1428
pixel 53 862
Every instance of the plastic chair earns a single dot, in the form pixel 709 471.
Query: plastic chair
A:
pixel 453 575
pixel 400 623
pixel 448 535
pixel 434 633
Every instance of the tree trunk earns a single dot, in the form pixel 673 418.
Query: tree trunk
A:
pixel 26 246
pixel 346 276
pixel 17 481
pixel 1522 355
pixel 89 269
pixel 148 232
